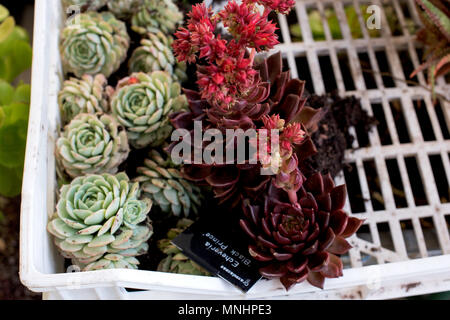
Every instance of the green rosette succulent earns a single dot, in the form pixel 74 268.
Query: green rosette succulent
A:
pixel 163 183
pixel 92 144
pixel 84 5
pixel 93 43
pixel 176 261
pixel 113 261
pixel 100 214
pixel 155 16
pixel 86 95
pixel 143 102
pixel 124 9
pixel 129 243
pixel 155 53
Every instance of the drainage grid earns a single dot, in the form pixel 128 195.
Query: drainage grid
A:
pixel 407 209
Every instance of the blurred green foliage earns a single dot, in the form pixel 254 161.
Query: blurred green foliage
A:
pixel 15 57
pixel 15 50
pixel 318 31
pixel 14 108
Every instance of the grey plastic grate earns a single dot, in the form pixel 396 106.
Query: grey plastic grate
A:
pixel 400 224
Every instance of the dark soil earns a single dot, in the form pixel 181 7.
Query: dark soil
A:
pixel 333 137
pixel 10 286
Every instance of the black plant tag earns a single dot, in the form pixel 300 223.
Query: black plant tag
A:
pixel 220 251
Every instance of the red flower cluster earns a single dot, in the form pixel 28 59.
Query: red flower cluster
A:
pixel 248 26
pixel 228 74
pixel 291 134
pixel 283 161
pixel 281 6
pixel 226 80
pixel 199 37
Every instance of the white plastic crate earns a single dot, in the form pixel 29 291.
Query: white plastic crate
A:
pixel 398 267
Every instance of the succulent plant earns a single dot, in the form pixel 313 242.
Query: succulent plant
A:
pixel 155 16
pixel 113 261
pixel 435 35
pixel 162 182
pixel 155 53
pixel 176 261
pixel 277 94
pixel 85 5
pixel 86 95
pixel 302 240
pixel 92 144
pixel 100 214
pixel 15 49
pixel 142 104
pixel 93 43
pixel 124 9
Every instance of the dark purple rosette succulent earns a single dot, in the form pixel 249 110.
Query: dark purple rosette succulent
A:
pixel 301 241
pixel 275 94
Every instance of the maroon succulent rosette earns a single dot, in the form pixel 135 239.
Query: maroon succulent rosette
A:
pixel 301 241
pixel 275 93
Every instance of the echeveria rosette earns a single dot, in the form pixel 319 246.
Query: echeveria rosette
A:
pixel 176 261
pixel 84 5
pixel 301 241
pixel 134 213
pixel 143 102
pixel 93 43
pixel 155 53
pixel 86 95
pixel 163 183
pixel 275 94
pixel 124 9
pixel 129 244
pixel 113 261
pixel 97 215
pixel 92 144
pixel 155 16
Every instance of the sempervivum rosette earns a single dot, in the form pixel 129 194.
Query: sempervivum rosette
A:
pixel 302 240
pixel 163 183
pixel 100 214
pixel 85 95
pixel 94 43
pixel 155 16
pixel 124 9
pixel 156 54
pixel 84 5
pixel 92 143
pixel 142 104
